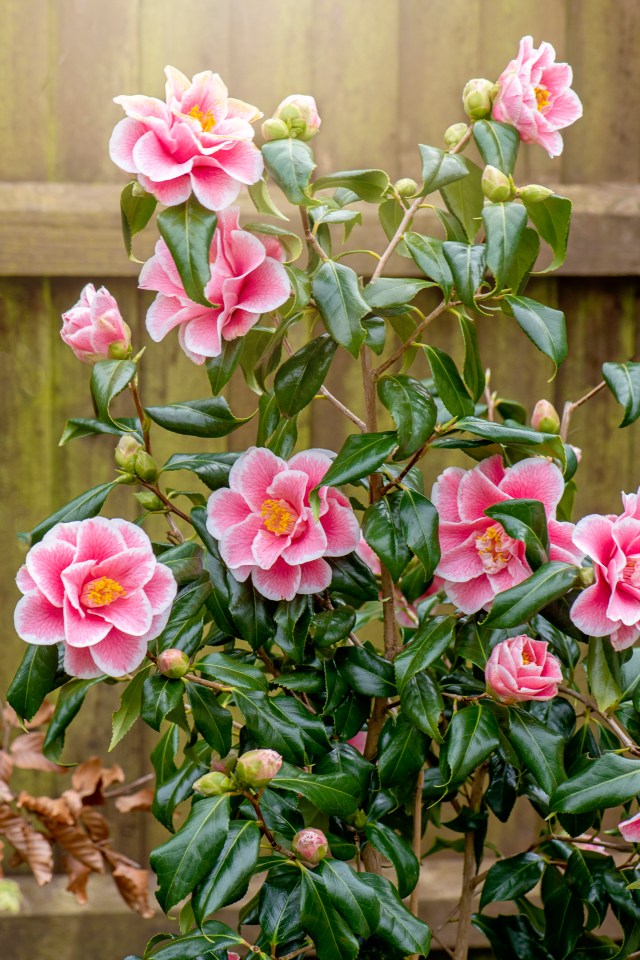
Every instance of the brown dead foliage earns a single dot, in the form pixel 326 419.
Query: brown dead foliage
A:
pixel 140 800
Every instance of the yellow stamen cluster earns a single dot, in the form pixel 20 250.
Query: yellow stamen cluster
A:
pixel 631 572
pixel 207 120
pixel 526 659
pixel 100 592
pixel 278 517
pixel 543 97
pixel 493 547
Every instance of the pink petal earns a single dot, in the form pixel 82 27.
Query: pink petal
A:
pixel 266 288
pixel 74 579
pixel 78 662
pixel 311 545
pixel 119 653
pixel 445 493
pixel 202 334
pixel 162 316
pixel 224 509
pixel 144 108
pixel 237 323
pixel 624 637
pixel 98 539
pixel 341 528
pixel 564 109
pixel 313 463
pixel 461 563
pixel 158 623
pixel 83 631
pixel 134 536
pixel 561 543
pixel 125 135
pixel 589 610
pixel 280 582
pixel 253 473
pixel 131 615
pixel 155 276
pixel 213 187
pixel 243 161
pixel 45 564
pixel 131 568
pixel 476 493
pixel 314 576
pixel 169 192
pixel 245 111
pixel 268 548
pixel 38 621
pixel 154 160
pixel 594 536
pixel 630 829
pixel 236 543
pixel 161 589
pixel 471 596
pixel 25 581
pixel 290 485
pixel 535 479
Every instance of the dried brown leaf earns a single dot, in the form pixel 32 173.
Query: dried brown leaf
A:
pixel 6 766
pixel 76 842
pixel 74 802
pixel 133 886
pixel 9 716
pixel 140 800
pixel 78 874
pixel 96 825
pixel 42 716
pixel 46 807
pixel 29 844
pixel 90 779
pixel 28 755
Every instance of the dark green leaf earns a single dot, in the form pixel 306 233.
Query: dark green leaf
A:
pixel 504 224
pixel 422 704
pixel 70 700
pixel 524 259
pixel 439 169
pixel 228 878
pixel 603 673
pixel 511 878
pixel 80 427
pixel 419 520
pixel 187 229
pixel 212 468
pixel 412 408
pixel 184 626
pixel 212 721
pixel 293 618
pixel 465 199
pixel 251 613
pixel 398 851
pixel 552 218
pixel 352 579
pixel 334 793
pixel 352 898
pixel 544 326
pixel 280 905
pixel 332 937
pixel 210 943
pixel 565 916
pixel 498 144
pixel 160 695
pixel 369 185
pixel 338 297
pixel 401 752
pixel 623 380
pixel 392 292
pixel 397 925
pixel 427 254
pixel 512 434
pixel 467 263
pixel 230 671
pixel 136 209
pixel 519 603
pixel 301 376
pixel 472 735
pixel 512 937
pixel 376 330
pixel 262 201
pixel 366 672
pixel 382 531
pixel 432 638
pixel 220 369
pixel 449 385
pixel 34 679
pixel 108 379
pixel 290 163
pixel 197 418
pixel 473 371
pixel 391 214
pixel 360 455
pixel 129 710
pixel 606 782
pixel 525 520
pixel 173 785
pixel 270 728
pixel 331 626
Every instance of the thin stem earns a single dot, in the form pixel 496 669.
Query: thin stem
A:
pixel 128 787
pixel 310 237
pixel 612 722
pixel 469 872
pixel 143 418
pixel 297 953
pixel 343 408
pixel 396 238
pixel 265 829
pixel 412 339
pixel 161 496
pixel 571 407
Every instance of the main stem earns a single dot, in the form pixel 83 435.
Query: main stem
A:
pixel 465 906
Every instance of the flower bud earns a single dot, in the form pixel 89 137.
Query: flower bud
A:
pixel 496 185
pixel 126 453
pixel 149 501
pixel 119 349
pixel 454 134
pixel 300 116
pixel 545 417
pixel 587 576
pixel 274 129
pixel 213 784
pixel 225 764
pixel 310 845
pixel 233 956
pixel 10 897
pixel 477 98
pixel 406 187
pixel 173 663
pixel 534 193
pixel 258 767
pixel 360 819
pixel 146 467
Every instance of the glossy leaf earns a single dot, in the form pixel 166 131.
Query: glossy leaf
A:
pixel 261 199
pixel 35 677
pixel 439 169
pixel 564 915
pixel 301 376
pixel 268 727
pixel 412 408
pixel 511 878
pixel 136 209
pixel 606 782
pixel 352 898
pixel 187 229
pixel 330 933
pixel 251 612
pixel 398 851
pixel 419 520
pixel 520 603
pixel 331 626
pixel 212 468
pixel 428 256
pixel 523 261
pixel 366 672
pixel 544 326
pixel 129 710
pixel 422 704
pixel 504 224
pixel 70 699
pixel 79 427
pixel 432 638
pixel 525 520
pixel 538 748
pixel 220 369
pixel 228 879
pixel 397 925
pixel 173 784
pixel 448 381
pixel 290 163
pixel 338 297
pixel 369 185
pixel 108 379
pixel 401 752
pixel 160 695
pixel 472 735
pixel 197 418
pixel 473 371
pixel 623 380
pixel 335 794
pixel 213 940
pixel 390 292
pixel 212 721
pixel 467 264
pixel 552 218
pixel 509 434
pixel 465 199
pixel 382 530
pixel 230 671
pixel 360 455
pixel 603 673
pixel 498 144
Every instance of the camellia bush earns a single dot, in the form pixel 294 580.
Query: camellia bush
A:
pixel 337 664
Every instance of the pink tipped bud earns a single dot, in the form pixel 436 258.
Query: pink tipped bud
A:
pixel 454 134
pixel 173 663
pixel 496 185
pixel 233 956
pixel 311 845
pixel 477 98
pixel 225 764
pixel 94 328
pixel 258 767
pixel 126 452
pixel 213 785
pixel 300 115
pixel 545 417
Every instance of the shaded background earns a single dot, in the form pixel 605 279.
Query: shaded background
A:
pixel 386 74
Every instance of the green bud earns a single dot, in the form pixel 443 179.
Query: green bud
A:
pixel 120 349
pixel 149 501
pixel 545 418
pixel 173 663
pixel 477 98
pixel 406 187
pixel 587 576
pixel 360 819
pixel 289 113
pixel 454 134
pixel 496 185
pixel 146 467
pixel 258 767
pixel 534 193
pixel 213 784
pixel 126 453
pixel 274 129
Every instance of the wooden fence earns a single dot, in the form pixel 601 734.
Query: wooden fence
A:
pixel 386 74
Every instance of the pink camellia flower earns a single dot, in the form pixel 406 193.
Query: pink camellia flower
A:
pixel 96 587
pixel 94 328
pixel 521 669
pixel 611 606
pixel 199 140
pixel 247 280
pixel 535 97
pixel 258 767
pixel 478 558
pixel 406 612
pixel 630 829
pixel 311 845
pixel 267 529
pixel 359 741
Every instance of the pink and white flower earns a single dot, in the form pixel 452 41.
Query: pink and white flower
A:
pixel 630 829
pixel 535 97
pixel 94 328
pixel 96 587
pixel 478 558
pixel 267 530
pixel 198 140
pixel 406 612
pixel 247 280
pixel 611 606
pixel 522 669
pixel 311 845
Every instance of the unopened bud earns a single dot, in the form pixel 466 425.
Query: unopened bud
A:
pixel 477 98
pixel 173 663
pixel 149 501
pixel 225 764
pixel 496 185
pixel 146 468
pixel 274 129
pixel 10 897
pixel 406 187
pixel 360 819
pixel 534 193
pixel 258 767
pixel 119 349
pixel 587 576
pixel 213 785
pixel 126 453
pixel 299 114
pixel 545 417
pixel 454 134
pixel 310 845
